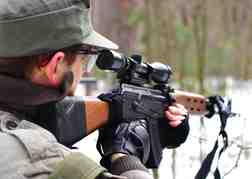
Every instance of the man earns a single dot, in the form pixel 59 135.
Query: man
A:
pixel 46 46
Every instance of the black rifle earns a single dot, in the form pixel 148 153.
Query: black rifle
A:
pixel 146 93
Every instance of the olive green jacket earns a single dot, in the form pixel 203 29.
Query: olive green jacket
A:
pixel 30 151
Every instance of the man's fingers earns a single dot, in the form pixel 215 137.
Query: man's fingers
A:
pixel 180 106
pixel 171 117
pixel 177 110
pixel 175 114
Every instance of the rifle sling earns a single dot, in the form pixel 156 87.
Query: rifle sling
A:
pixel 207 162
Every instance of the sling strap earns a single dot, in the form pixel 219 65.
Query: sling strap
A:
pixel 224 110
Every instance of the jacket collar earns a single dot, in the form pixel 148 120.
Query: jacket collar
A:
pixel 22 94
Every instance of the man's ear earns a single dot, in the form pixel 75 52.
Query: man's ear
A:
pixel 52 69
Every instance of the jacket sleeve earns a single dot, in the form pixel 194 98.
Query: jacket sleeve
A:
pixel 66 119
pixel 173 137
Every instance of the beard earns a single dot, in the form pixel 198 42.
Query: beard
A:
pixel 66 86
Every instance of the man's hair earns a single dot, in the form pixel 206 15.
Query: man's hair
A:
pixel 15 66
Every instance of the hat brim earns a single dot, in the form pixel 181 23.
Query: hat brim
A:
pixel 98 40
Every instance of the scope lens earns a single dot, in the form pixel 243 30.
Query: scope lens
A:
pixel 110 60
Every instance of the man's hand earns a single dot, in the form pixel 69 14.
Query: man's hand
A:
pixel 174 128
pixel 176 114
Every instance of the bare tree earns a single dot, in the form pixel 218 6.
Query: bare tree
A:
pixel 111 19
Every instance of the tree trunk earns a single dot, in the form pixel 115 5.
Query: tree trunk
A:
pixel 111 19
pixel 201 35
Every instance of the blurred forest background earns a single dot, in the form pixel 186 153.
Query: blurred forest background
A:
pixel 199 38
pixel 208 44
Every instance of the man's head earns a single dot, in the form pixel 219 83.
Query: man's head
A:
pixel 49 35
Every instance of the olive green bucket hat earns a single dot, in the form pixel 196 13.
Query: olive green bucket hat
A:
pixel 31 27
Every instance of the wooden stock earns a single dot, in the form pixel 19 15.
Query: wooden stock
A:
pixel 97 111
pixel 195 103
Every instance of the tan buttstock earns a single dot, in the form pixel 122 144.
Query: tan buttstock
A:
pixel 194 103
